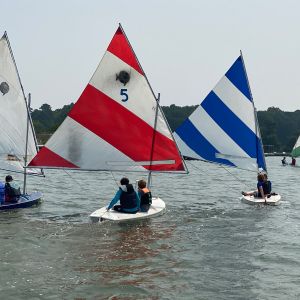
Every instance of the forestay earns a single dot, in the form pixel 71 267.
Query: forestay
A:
pixel 224 128
pixel 13 114
pixel 112 125
pixel 296 149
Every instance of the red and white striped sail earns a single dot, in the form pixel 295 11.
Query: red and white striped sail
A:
pixel 112 125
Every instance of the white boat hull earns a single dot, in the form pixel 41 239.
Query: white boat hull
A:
pixel 157 208
pixel 273 200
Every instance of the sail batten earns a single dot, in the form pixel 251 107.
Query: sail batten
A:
pixel 223 128
pixel 114 120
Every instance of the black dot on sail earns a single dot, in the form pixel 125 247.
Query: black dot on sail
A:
pixel 4 87
pixel 123 77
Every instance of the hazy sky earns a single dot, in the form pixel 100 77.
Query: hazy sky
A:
pixel 184 46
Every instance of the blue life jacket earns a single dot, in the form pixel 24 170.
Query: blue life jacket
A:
pixel 267 187
pixel 128 199
pixel 2 192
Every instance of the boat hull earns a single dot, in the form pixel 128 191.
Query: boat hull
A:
pixel 273 200
pixel 157 208
pixel 24 201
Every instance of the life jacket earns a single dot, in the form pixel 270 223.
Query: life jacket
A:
pixel 128 199
pixel 146 197
pixel 267 187
pixel 2 192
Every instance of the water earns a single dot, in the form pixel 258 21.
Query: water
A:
pixel 208 245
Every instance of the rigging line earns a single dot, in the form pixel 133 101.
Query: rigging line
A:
pixel 78 183
pixel 238 179
pixel 116 182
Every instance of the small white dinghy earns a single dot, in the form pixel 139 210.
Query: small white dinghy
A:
pixel 272 200
pixel 157 208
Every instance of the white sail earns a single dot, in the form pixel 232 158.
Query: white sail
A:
pixel 13 114
pixel 296 148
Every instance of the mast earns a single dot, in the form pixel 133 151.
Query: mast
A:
pixel 257 130
pixel 26 143
pixel 153 139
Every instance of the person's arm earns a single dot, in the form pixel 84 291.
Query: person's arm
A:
pixel 115 199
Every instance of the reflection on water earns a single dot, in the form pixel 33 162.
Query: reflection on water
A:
pixel 208 245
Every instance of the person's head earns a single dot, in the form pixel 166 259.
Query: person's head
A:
pixel 265 176
pixel 124 181
pixel 142 184
pixel 8 178
pixel 260 177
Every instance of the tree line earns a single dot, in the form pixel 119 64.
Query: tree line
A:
pixel 279 129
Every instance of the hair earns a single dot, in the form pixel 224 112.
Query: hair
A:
pixel 142 184
pixel 260 177
pixel 8 178
pixel 124 181
pixel 265 176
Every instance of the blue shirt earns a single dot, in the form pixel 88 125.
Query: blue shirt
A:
pixel 116 198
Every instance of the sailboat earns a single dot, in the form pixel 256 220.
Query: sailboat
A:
pixel 17 138
pixel 224 128
pixel 116 125
pixel 296 149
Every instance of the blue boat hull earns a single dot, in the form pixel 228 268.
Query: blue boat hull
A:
pixel 24 201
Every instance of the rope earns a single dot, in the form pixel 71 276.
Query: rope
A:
pixel 78 182
pixel 238 179
pixel 114 178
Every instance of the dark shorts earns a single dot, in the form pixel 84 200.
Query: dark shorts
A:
pixel 257 195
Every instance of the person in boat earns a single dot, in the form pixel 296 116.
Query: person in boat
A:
pixel 12 190
pixel 264 187
pixel 267 185
pixel 293 161
pixel 144 195
pixel 2 192
pixel 128 197
pixel 283 161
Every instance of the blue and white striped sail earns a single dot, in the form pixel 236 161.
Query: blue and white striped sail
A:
pixel 224 128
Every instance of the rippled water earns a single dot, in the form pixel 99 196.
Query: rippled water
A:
pixel 208 245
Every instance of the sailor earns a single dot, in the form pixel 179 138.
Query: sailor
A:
pixel 264 187
pixel 12 190
pixel 267 185
pixel 284 161
pixel 129 200
pixel 2 192
pixel 293 161
pixel 144 195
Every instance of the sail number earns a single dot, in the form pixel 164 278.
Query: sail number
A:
pixel 123 92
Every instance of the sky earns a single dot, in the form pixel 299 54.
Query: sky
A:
pixel 184 47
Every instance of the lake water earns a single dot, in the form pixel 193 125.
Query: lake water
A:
pixel 208 245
